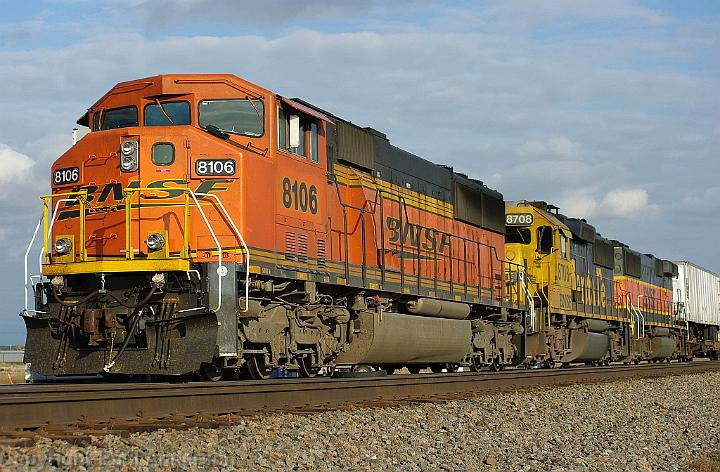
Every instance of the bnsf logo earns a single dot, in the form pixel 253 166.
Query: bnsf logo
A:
pixel 112 193
pixel 428 239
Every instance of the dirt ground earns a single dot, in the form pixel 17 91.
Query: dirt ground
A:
pixel 12 373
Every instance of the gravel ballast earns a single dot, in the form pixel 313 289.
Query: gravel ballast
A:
pixel 670 423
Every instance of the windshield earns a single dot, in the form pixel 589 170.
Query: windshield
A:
pixel 171 113
pixel 233 116
pixel 115 118
pixel 517 235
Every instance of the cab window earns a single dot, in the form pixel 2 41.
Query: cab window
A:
pixel 167 114
pixel 563 246
pixel 308 142
pixel 544 239
pixel 245 116
pixel 114 118
pixel 515 235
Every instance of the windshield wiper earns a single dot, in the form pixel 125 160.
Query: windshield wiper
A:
pixel 215 131
pixel 162 109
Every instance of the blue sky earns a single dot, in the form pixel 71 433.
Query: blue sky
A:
pixel 608 109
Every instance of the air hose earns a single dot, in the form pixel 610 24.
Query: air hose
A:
pixel 130 334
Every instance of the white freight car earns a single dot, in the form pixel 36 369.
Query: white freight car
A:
pixel 698 290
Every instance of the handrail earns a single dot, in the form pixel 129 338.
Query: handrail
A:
pixel 635 318
pixel 642 315
pixel 81 196
pixel 637 314
pixel 242 240
pixel 27 253
pixel 530 300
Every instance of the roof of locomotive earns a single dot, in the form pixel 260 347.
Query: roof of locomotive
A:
pixel 170 84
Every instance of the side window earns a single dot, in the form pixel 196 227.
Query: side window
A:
pixel 300 148
pixel 563 246
pixel 314 156
pixel 115 118
pixel 282 129
pixel 308 136
pixel 544 239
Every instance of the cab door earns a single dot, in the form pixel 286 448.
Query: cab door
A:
pixel 301 189
pixel 160 208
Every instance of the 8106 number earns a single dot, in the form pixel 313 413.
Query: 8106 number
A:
pixel 299 196
pixel 215 167
pixel 66 176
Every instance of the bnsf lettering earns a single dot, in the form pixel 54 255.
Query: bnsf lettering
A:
pixel 113 192
pixel 417 236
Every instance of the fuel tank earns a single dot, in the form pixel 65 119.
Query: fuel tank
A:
pixel 394 338
pixel 662 347
pixel 586 347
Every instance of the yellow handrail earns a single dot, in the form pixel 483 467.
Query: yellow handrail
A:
pixel 128 193
pixel 47 204
pixel 81 196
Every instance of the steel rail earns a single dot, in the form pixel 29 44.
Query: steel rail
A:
pixel 40 405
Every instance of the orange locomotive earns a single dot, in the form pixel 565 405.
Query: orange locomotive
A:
pixel 207 224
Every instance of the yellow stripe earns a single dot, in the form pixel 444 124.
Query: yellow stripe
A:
pixel 108 266
pixel 349 177
pixel 641 282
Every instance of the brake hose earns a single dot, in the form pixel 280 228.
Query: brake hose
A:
pixel 130 334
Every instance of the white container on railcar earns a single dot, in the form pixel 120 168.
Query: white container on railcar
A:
pixel 698 290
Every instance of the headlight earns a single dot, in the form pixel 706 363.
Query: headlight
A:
pixel 155 241
pixel 129 156
pixel 128 148
pixel 128 163
pixel 63 246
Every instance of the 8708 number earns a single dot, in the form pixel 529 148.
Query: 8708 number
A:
pixel 299 196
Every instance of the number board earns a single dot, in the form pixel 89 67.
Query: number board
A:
pixel 66 176
pixel 214 167
pixel 299 195
pixel 519 219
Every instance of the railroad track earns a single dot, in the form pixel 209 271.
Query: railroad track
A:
pixel 75 411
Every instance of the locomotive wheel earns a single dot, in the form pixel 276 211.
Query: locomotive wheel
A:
pixel 437 368
pixel 305 367
pixel 211 372
pixel 257 368
pixel 476 364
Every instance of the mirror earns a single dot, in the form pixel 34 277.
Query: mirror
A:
pixel 294 122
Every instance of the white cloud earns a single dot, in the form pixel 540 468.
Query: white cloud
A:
pixel 14 166
pixel 578 204
pixel 625 203
pixel 619 203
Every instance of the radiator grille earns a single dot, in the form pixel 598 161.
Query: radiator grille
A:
pixel 321 252
pixel 290 245
pixel 302 252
